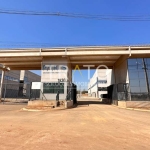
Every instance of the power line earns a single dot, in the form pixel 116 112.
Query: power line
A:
pixel 76 15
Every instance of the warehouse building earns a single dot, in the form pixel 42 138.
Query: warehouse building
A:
pixel 98 84
pixel 17 83
pixel 17 76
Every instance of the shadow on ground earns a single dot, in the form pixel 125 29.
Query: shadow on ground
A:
pixel 91 102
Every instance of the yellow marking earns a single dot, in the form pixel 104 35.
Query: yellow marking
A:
pixel 77 67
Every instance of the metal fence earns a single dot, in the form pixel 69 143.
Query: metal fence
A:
pixel 122 92
pixel 19 92
pixel 22 93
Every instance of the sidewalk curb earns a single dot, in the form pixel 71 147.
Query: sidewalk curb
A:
pixel 144 110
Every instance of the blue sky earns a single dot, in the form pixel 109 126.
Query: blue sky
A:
pixel 24 31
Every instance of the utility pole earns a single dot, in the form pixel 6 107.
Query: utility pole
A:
pixel 146 76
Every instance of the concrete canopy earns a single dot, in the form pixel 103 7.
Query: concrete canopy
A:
pixel 31 58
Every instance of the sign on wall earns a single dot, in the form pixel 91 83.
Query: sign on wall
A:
pixel 36 85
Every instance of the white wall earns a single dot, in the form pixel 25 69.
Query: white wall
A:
pixel 52 76
pixel 100 75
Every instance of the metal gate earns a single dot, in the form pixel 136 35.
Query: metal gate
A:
pixel 72 93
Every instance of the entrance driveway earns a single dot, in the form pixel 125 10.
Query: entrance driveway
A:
pixel 89 126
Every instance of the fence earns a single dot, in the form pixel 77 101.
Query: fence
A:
pixel 19 92
pixel 121 92
pixel 22 92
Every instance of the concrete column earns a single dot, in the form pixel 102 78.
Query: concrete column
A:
pixel 1 85
pixel 121 74
pixel 121 70
pixel 22 75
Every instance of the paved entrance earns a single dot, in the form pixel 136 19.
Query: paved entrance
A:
pixel 91 125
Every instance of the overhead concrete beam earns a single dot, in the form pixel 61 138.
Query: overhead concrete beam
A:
pixel 19 50
pixel 78 48
pixel 26 68
pixel 12 54
pixel 20 59
pixel 120 60
pixel 110 58
pixel 83 53
pixel 22 63
pixel 72 53
pixel 28 59
pixel 84 68
pixel 141 55
pixel 93 62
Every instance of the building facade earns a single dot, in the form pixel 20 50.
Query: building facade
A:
pixel 17 76
pixel 98 84
pixel 139 78
pixel 17 83
pixel 56 78
pixel 132 80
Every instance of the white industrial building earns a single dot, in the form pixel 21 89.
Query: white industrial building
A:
pixel 98 84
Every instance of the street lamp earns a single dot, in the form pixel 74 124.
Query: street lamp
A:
pixel 3 68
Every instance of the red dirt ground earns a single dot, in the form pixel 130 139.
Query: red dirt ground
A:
pixel 90 126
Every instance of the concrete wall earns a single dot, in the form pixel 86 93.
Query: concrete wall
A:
pixel 122 104
pixel 134 104
pixel 121 71
pixel 68 104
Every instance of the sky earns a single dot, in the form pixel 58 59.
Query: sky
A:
pixel 50 31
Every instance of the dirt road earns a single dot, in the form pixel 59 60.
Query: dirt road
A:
pixel 90 126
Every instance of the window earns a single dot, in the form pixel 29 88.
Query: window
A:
pixel 102 81
pixel 137 75
pixel 25 79
pixel 102 88
pixel 53 88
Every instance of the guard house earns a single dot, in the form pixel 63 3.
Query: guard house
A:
pixel 56 76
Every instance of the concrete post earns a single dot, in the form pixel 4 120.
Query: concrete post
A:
pixel 1 85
